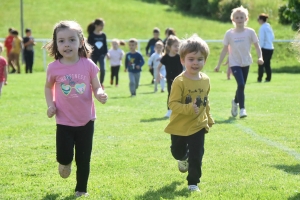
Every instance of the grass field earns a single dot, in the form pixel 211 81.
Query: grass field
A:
pixel 253 158
pixel 135 18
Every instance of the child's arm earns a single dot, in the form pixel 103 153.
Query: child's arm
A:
pixel 150 61
pixel 126 61
pixel 260 60
pixel 99 93
pixel 51 111
pixel 158 75
pixel 147 48
pixel 141 62
pixel 5 74
pixel 210 119
pixel 222 56
pixel 175 101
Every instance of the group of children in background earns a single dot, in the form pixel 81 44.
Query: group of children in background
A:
pixel 178 62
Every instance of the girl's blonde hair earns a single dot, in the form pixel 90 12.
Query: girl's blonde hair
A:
pixel 120 42
pixel 170 41
pixel 84 51
pixel 239 9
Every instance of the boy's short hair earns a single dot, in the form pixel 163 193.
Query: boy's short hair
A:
pixel 14 32
pixel 156 30
pixel 133 40
pixel 193 44
pixel 27 30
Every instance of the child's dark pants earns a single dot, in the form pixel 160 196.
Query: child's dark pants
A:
pixel 191 147
pixel 82 138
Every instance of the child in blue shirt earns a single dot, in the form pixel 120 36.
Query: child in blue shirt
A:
pixel 133 64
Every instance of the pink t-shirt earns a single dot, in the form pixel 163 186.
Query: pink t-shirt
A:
pixel 3 64
pixel 73 91
pixel 116 57
pixel 239 46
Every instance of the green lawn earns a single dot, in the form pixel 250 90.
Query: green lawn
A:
pixel 253 158
pixel 136 18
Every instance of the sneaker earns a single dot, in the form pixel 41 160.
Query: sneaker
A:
pixel 168 114
pixel 193 188
pixel 234 108
pixel 79 194
pixel 243 113
pixel 183 165
pixel 64 170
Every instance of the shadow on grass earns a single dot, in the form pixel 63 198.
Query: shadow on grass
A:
pixel 146 93
pixel 230 120
pixel 154 119
pixel 296 197
pixel 166 192
pixel 287 69
pixel 291 169
pixel 56 196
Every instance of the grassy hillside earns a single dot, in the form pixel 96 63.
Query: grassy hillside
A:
pixel 135 18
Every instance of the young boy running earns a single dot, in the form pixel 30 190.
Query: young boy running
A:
pixel 190 119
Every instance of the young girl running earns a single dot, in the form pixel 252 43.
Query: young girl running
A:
pixel 71 80
pixel 171 60
pixel 97 39
pixel 154 61
pixel 237 42
pixel 115 55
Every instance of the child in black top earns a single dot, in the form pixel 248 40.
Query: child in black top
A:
pixel 171 60
pixel 28 43
pixel 151 45
pixel 97 39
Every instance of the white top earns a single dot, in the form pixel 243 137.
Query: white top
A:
pixel 116 57
pixel 154 60
pixel 266 36
pixel 239 46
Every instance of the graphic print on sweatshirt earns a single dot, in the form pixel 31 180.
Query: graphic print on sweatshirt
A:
pixel 99 44
pixel 199 101
pixel 131 62
pixel 70 82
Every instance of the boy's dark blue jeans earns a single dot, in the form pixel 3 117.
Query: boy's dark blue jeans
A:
pixel 191 147
pixel 81 137
pixel 240 74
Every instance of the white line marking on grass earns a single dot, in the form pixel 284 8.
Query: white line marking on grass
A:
pixel 250 132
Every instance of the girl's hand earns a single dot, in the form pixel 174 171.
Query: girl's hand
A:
pixel 51 111
pixel 102 97
pixel 217 68
pixel 195 107
pixel 260 61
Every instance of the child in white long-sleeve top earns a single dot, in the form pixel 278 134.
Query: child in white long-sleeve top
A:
pixel 154 61
pixel 115 55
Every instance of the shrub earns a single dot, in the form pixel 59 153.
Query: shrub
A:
pixel 282 16
pixel 184 5
pixel 225 9
pixel 199 7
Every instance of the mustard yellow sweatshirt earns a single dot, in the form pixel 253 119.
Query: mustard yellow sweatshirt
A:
pixel 183 120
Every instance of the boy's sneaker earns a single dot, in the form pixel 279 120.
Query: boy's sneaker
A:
pixel 193 188
pixel 243 113
pixel 79 194
pixel 234 108
pixel 64 170
pixel 168 114
pixel 183 165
